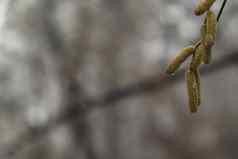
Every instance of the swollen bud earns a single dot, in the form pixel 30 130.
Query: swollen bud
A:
pixel 179 59
pixel 203 6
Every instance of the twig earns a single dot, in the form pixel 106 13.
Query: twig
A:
pixel 153 84
pixel 221 10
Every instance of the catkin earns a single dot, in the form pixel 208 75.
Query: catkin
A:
pixel 203 30
pixel 179 59
pixel 193 87
pixel 206 56
pixel 203 6
pixel 198 90
pixel 197 57
pixel 211 29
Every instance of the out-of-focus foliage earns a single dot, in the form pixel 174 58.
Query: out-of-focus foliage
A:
pixel 107 44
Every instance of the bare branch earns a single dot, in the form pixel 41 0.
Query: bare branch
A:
pixel 154 84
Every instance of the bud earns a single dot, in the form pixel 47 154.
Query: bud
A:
pixel 203 6
pixel 179 59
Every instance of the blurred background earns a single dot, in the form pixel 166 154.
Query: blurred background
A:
pixel 83 79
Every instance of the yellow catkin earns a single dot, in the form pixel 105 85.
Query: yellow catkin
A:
pixel 197 57
pixel 203 6
pixel 193 88
pixel 203 31
pixel 179 59
pixel 198 90
pixel 206 56
pixel 211 29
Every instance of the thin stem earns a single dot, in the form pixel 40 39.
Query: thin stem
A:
pixel 221 10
